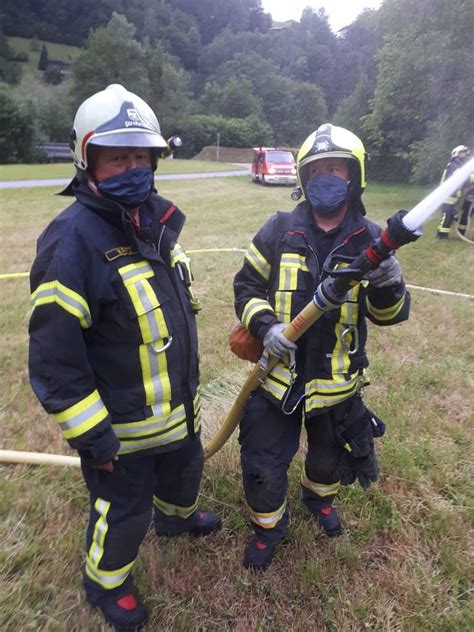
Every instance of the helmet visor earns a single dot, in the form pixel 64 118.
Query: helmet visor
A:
pixel 132 138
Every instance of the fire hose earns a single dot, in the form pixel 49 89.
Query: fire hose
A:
pixel 402 228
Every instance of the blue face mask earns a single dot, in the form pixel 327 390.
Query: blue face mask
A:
pixel 327 193
pixel 130 189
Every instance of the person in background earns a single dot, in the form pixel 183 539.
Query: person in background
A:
pixel 113 351
pixel 319 380
pixel 459 156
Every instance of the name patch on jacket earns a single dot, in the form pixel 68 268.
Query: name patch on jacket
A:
pixel 120 251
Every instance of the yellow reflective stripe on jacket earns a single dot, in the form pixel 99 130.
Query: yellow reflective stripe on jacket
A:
pixel 321 393
pixel 290 263
pixel 70 301
pixel 178 255
pixel 387 313
pixel 320 489
pixel 174 510
pixel 101 527
pixel 145 302
pixel 283 306
pixel 154 330
pixel 340 360
pixel 277 381
pixel 267 520
pixel 83 416
pixel 156 380
pixel 255 258
pixel 151 425
pixel 254 306
pixel 156 430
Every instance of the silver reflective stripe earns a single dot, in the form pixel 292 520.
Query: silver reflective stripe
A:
pixel 155 373
pixel 137 271
pixel 134 446
pixel 319 488
pixel 82 416
pixel 108 580
pixel 66 298
pixel 151 425
pixel 268 520
pixel 255 258
pixel 101 529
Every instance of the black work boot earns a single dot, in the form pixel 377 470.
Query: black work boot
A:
pixel 329 522
pixel 200 523
pixel 125 614
pixel 258 554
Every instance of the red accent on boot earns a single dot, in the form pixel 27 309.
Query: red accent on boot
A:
pixel 326 510
pixel 261 546
pixel 201 515
pixel 128 602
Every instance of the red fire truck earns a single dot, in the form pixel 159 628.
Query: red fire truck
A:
pixel 271 165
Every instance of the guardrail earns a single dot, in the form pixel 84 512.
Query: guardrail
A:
pixel 55 152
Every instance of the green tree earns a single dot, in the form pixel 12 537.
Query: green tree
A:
pixel 425 75
pixel 43 60
pixel 112 55
pixel 17 129
pixel 52 106
pixel 238 99
pixel 201 130
pixel 10 70
pixel 351 111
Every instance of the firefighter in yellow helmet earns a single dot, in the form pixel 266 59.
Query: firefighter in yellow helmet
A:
pixel 113 346
pixel 319 380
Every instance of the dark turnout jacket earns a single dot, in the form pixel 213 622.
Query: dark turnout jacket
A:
pixel 113 342
pixel 281 271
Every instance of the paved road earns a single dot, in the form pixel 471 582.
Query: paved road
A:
pixel 23 184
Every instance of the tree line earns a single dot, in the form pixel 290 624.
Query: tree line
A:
pixel 401 76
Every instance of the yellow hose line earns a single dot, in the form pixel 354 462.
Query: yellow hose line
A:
pixel 293 331
pixel 217 250
pixel 38 458
pixel 13 275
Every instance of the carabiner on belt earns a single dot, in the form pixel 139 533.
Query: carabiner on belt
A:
pixel 292 368
pixel 165 346
pixel 350 344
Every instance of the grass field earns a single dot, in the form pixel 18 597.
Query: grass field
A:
pixel 404 562
pixel 66 170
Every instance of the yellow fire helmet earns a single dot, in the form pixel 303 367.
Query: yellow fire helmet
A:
pixel 329 141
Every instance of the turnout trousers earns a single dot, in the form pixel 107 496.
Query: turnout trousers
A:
pixel 269 439
pixel 121 507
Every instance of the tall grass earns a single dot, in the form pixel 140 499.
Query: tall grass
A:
pixel 405 559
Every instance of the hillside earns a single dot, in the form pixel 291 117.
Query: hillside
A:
pixel 32 48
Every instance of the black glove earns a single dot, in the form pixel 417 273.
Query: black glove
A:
pixel 356 434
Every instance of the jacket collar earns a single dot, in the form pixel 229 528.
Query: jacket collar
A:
pixel 162 211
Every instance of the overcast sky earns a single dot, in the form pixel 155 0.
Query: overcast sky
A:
pixel 341 12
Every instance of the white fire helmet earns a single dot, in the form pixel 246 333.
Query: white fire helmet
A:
pixel 459 150
pixel 114 117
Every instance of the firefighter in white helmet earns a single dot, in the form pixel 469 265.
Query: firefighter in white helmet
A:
pixel 459 155
pixel 113 346
pixel 318 380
